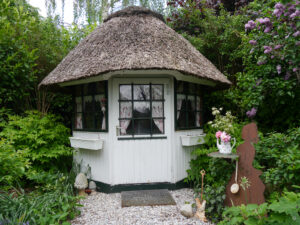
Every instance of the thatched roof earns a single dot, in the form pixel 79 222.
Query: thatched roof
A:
pixel 134 38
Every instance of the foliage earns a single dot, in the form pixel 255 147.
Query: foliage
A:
pixel 39 140
pixel 218 171
pixel 12 164
pixel 278 156
pixel 285 210
pixel 54 206
pixel 270 56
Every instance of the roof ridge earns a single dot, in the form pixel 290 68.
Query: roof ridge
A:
pixel 133 11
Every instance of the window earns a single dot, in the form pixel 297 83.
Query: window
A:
pixel 90 102
pixel 188 109
pixel 141 109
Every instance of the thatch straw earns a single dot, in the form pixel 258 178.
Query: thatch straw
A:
pixel 132 39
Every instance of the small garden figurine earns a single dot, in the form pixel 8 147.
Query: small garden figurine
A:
pixel 81 184
pixel 200 213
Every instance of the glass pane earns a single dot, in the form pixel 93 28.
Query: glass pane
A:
pixel 89 89
pixel 77 90
pixel 78 121
pixel 158 126
pixel 157 92
pixel 88 120
pixel 125 92
pixel 142 126
pixel 141 109
pixel 157 109
pixel 180 100
pixel 191 103
pixel 88 103
pixel 126 127
pixel 141 92
pixel 179 87
pixel 78 101
pixel 198 103
pixel 100 87
pixel 100 120
pixel 191 88
pixel 181 119
pixel 198 119
pixel 191 119
pixel 125 109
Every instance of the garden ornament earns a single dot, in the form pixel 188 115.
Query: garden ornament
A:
pixel 225 145
pixel 200 213
pixel 246 152
pixel 235 187
pixel 81 183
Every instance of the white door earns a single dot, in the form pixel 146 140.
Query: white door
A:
pixel 141 126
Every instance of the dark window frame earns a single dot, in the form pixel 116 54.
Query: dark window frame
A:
pixel 187 93
pixel 92 93
pixel 151 118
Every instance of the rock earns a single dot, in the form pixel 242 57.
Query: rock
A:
pixel 187 210
pixel 92 185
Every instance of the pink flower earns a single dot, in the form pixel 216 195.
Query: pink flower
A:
pixel 218 134
pixel 278 68
pixel 252 42
pixel 225 137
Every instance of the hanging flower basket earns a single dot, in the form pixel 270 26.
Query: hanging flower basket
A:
pixel 225 145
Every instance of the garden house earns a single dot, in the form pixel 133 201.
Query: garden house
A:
pixel 137 92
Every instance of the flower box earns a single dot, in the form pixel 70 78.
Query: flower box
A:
pixel 91 144
pixel 192 140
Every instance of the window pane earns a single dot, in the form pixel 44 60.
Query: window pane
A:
pixel 181 119
pixel 158 126
pixel 180 99
pixel 180 86
pixel 198 119
pixel 88 104
pixel 77 90
pixel 198 103
pixel 191 88
pixel 88 120
pixel 100 112
pixel 191 102
pixel 100 87
pixel 126 127
pixel 157 92
pixel 191 119
pixel 157 109
pixel 141 109
pixel 125 109
pixel 125 92
pixel 78 121
pixel 142 126
pixel 89 89
pixel 78 101
pixel 141 92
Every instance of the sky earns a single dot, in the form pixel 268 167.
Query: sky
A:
pixel 68 15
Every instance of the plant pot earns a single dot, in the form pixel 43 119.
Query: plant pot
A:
pixel 192 140
pixel 91 144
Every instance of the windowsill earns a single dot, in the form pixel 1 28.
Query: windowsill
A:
pixel 141 137
pixel 188 129
pixel 90 130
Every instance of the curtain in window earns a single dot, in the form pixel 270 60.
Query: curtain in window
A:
pixel 180 99
pixel 78 122
pixel 157 111
pixel 160 124
pixel 125 112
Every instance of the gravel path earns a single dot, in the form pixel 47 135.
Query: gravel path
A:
pixel 104 209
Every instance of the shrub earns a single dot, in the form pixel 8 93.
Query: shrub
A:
pixel 285 210
pixel 40 140
pixel 277 154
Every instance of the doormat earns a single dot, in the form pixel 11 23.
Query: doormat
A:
pixel 146 198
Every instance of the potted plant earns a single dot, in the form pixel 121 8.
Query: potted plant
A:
pixel 225 145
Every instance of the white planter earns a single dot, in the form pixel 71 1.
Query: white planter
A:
pixel 91 144
pixel 192 140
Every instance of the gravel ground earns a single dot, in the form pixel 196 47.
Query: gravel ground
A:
pixel 106 209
